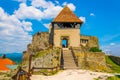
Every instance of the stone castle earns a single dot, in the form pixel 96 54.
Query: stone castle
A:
pixel 64 46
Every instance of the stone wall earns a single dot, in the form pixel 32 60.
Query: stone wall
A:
pixel 91 60
pixel 40 41
pixel 46 59
pixel 72 34
pixel 91 41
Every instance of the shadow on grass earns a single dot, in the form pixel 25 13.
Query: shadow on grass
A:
pixel 118 76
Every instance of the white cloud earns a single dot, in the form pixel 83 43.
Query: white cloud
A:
pixel 92 14
pixel 27 26
pixel 112 44
pixel 14 29
pixel 83 19
pixel 64 4
pixel 40 9
pixel 51 12
pixel 70 5
pixel 56 2
pixel 47 25
pixel 42 3
pixel 13 37
pixel 24 1
pixel 28 12
pixel 111 48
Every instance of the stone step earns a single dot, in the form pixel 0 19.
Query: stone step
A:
pixel 68 60
pixel 69 65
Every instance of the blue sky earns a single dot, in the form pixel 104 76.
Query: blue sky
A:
pixel 20 19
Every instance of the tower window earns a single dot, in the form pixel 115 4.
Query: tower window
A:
pixel 66 25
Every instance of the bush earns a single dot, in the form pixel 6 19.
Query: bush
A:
pixel 95 49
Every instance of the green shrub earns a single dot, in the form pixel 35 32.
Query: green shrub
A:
pixel 95 49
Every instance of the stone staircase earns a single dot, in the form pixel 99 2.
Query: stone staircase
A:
pixel 68 60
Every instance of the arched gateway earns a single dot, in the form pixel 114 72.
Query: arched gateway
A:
pixel 65 41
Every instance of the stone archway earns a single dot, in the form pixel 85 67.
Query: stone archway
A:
pixel 64 41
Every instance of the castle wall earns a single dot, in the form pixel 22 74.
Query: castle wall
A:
pixel 92 60
pixel 90 41
pixel 40 41
pixel 48 59
pixel 73 34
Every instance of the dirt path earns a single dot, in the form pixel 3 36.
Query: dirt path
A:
pixel 71 75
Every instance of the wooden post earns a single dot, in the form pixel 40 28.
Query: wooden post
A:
pixel 30 59
pixel 29 69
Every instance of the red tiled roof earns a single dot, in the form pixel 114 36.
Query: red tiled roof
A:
pixel 3 67
pixel 4 62
pixel 66 15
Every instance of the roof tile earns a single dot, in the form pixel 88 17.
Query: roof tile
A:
pixel 66 15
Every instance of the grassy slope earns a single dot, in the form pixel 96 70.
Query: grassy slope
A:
pixel 114 78
pixel 114 67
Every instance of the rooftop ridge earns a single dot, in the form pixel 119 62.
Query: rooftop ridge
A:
pixel 66 15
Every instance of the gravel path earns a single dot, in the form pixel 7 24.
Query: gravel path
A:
pixel 72 75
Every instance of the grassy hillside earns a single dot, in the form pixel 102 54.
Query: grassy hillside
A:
pixel 114 78
pixel 113 66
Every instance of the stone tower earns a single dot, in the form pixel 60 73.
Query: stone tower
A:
pixel 65 29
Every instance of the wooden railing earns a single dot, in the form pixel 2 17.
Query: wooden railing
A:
pixel 45 68
pixel 61 60
pixel 75 58
pixel 21 75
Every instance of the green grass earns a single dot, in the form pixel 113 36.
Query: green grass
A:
pixel 114 67
pixel 95 49
pixel 114 78
pixel 45 52
pixel 41 53
pixel 111 78
pixel 45 72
